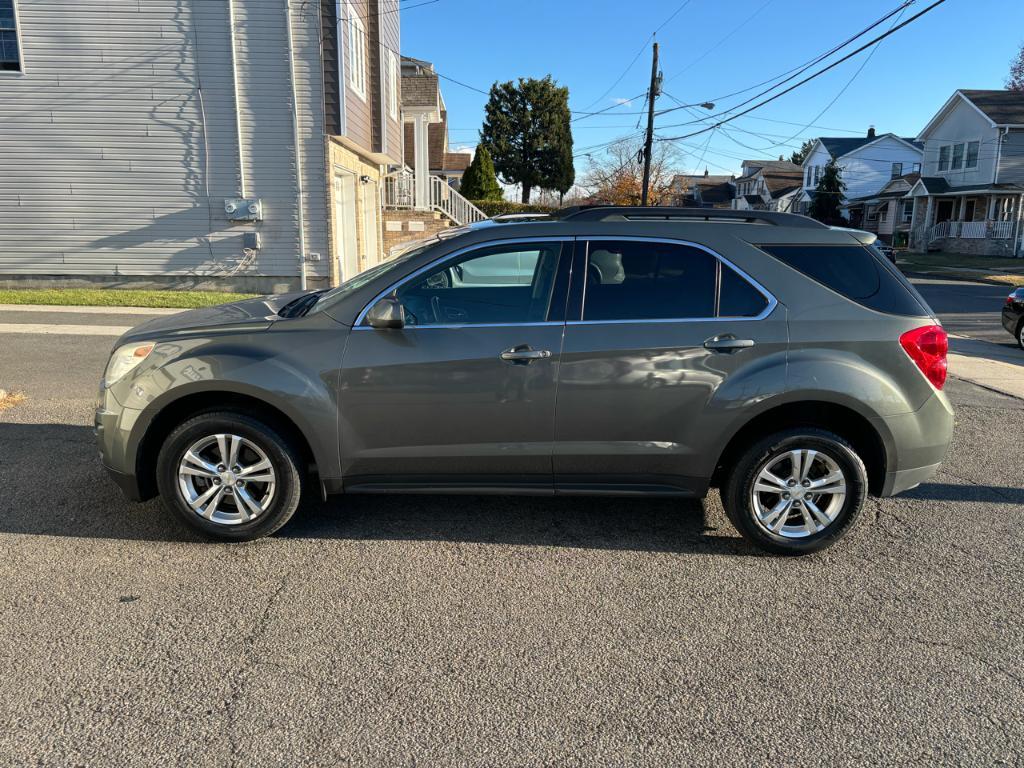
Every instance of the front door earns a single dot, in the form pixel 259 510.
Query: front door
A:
pixel 464 395
pixel 943 210
pixel 662 327
pixel 346 250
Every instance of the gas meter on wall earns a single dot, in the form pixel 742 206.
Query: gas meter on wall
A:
pixel 243 209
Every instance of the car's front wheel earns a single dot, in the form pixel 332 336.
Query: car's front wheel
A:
pixel 229 476
pixel 1020 334
pixel 797 491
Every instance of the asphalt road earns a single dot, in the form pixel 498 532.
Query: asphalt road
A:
pixel 969 309
pixel 497 631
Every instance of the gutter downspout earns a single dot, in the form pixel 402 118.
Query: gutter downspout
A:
pixel 238 106
pixel 298 148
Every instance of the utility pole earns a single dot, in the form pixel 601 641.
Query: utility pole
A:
pixel 652 94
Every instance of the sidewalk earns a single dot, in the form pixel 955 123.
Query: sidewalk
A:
pixel 993 366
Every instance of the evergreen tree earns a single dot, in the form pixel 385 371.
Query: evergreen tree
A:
pixel 800 155
pixel 1015 80
pixel 828 196
pixel 526 130
pixel 479 181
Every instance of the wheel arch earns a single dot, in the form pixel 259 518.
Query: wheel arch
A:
pixel 172 413
pixel 861 431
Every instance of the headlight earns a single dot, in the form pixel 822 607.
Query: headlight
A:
pixel 125 359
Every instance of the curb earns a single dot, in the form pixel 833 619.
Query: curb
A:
pixel 90 310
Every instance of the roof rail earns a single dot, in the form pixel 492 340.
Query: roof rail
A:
pixel 632 213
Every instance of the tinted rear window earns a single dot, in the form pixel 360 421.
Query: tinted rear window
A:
pixel 856 273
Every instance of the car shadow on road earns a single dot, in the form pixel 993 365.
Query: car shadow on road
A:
pixel 52 484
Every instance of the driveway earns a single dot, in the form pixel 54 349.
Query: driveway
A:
pixel 384 631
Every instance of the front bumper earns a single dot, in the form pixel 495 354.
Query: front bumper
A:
pixel 112 440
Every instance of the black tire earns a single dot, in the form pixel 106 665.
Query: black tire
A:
pixel 1020 334
pixel 289 474
pixel 737 491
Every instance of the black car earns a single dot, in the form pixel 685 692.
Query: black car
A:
pixel 1013 315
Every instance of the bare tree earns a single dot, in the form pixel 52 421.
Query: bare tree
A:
pixel 616 178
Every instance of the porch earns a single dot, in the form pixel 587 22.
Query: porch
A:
pixel 968 223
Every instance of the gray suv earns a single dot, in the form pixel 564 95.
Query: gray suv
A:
pixel 629 351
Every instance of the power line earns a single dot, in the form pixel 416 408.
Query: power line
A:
pixel 820 72
pixel 639 53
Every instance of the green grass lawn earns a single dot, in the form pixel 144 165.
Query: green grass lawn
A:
pixel 115 297
pixel 964 266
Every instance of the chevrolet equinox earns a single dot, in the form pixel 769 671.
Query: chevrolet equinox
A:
pixel 601 350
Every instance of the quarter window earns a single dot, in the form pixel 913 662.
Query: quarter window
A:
pixel 504 284
pixel 10 53
pixel 357 55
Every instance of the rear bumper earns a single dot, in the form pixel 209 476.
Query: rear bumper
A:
pixel 127 483
pixel 1010 321
pixel 919 442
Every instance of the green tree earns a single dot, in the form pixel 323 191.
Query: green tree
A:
pixel 479 181
pixel 801 154
pixel 1015 80
pixel 526 130
pixel 828 196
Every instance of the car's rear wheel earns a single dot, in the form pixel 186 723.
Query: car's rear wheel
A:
pixel 1020 334
pixel 229 476
pixel 797 491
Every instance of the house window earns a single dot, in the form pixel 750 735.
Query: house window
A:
pixel 810 170
pixel 357 55
pixel 10 54
pixel 897 170
pixel 972 154
pixel 393 85
pixel 908 211
pixel 944 158
pixel 817 174
pixel 883 213
pixel 958 157
pixel 915 168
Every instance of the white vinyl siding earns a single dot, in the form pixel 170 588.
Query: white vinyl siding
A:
pixel 357 55
pixel 122 169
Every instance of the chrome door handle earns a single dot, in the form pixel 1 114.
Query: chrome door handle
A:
pixel 727 343
pixel 523 354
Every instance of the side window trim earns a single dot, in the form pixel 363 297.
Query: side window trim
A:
pixel 720 261
pixel 360 323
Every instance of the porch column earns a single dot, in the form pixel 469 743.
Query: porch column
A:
pixel 421 160
pixel 913 222
pixel 929 214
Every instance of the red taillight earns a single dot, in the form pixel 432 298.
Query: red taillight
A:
pixel 927 347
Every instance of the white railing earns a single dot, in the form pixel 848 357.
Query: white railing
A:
pixel 449 202
pixel 971 230
pixel 399 191
pixel 1002 229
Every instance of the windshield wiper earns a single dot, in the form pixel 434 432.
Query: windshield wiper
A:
pixel 301 305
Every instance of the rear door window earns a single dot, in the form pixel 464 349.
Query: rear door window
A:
pixel 854 272
pixel 643 280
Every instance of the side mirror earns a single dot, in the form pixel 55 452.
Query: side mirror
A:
pixel 386 313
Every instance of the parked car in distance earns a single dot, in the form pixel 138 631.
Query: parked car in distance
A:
pixel 784 362
pixel 886 250
pixel 1013 315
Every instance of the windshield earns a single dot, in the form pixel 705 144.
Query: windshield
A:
pixel 364 278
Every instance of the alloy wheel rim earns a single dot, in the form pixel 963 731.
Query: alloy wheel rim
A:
pixel 798 493
pixel 226 479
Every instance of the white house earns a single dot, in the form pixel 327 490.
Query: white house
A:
pixel 867 163
pixel 970 196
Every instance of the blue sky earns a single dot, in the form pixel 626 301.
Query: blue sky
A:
pixel 589 45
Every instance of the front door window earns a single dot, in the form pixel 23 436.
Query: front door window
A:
pixel 507 284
